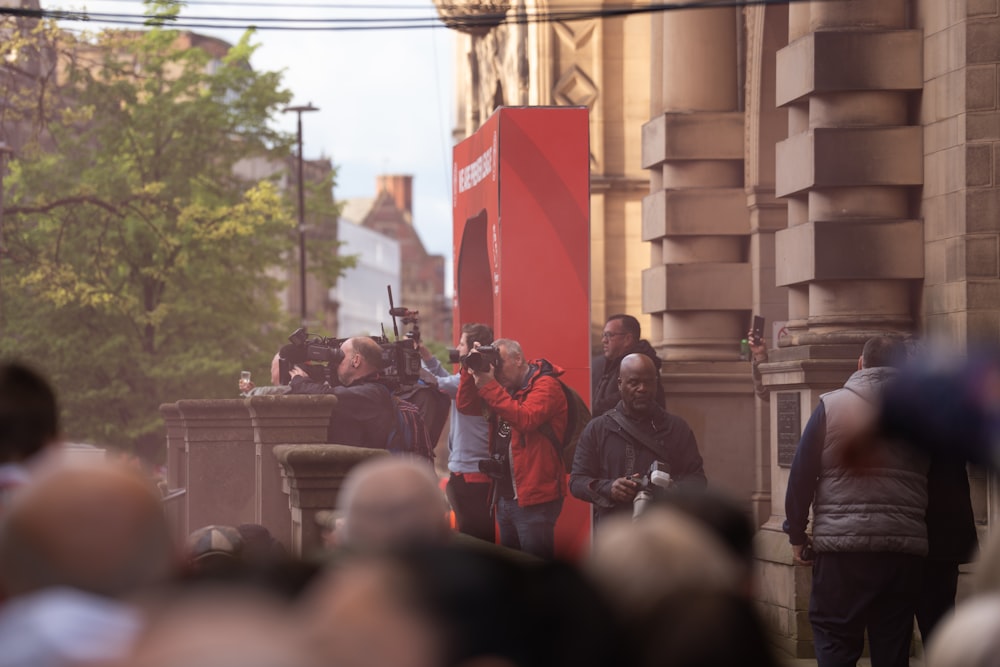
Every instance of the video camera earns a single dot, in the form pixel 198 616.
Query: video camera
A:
pixel 320 355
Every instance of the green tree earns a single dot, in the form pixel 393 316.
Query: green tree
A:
pixel 139 268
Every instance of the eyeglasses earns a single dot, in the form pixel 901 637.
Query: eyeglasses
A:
pixel 608 335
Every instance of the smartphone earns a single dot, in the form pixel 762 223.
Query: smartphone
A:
pixel 757 330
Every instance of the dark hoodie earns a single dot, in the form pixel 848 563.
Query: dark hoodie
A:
pixel 606 393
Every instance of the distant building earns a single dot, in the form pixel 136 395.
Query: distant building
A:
pixel 360 294
pixel 422 274
pixel 321 311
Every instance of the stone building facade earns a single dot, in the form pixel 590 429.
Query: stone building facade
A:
pixel 833 166
pixel 602 64
pixel 421 274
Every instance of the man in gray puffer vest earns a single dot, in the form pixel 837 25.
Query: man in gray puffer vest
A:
pixel 869 500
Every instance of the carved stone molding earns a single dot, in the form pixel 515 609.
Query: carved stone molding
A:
pixel 473 18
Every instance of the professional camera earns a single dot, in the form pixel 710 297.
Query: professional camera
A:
pixel 481 358
pixel 318 355
pixel 654 481
pixel 322 355
pixel 495 466
pixel 454 356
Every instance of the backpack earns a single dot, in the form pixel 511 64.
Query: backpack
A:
pixel 434 406
pixel 577 417
pixel 409 434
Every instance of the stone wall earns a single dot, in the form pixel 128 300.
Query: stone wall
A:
pixel 262 459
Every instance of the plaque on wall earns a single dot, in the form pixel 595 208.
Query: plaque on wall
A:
pixel 789 426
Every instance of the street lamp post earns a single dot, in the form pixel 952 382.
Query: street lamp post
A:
pixel 302 211
pixel 5 150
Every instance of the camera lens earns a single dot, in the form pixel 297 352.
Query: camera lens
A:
pixel 453 356
pixel 476 362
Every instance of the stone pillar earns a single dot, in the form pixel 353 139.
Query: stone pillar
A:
pixel 852 254
pixel 312 477
pixel 176 470
pixel 767 32
pixel 219 471
pixel 698 288
pixel 279 420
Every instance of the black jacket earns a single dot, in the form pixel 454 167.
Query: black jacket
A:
pixel 606 394
pixel 601 457
pixel 364 415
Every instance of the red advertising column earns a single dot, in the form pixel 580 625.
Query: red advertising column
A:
pixel 521 221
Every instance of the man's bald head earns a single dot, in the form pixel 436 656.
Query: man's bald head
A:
pixel 362 356
pixel 636 362
pixel 637 381
pixel 390 501
pixel 95 527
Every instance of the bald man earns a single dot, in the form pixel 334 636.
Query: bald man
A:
pixel 392 501
pixel 609 459
pixel 97 527
pixel 364 414
pixel 77 542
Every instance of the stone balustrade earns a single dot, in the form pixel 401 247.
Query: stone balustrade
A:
pixel 312 477
pixel 262 459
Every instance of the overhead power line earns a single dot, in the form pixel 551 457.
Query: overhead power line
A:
pixel 338 24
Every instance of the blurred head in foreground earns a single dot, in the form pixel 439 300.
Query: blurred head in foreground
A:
pixel 97 527
pixel 391 501
pixel 445 606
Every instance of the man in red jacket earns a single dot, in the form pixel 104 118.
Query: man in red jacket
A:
pixel 518 397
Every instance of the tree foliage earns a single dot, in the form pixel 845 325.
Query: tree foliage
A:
pixel 139 268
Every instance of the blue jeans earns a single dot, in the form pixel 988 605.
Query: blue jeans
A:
pixel 530 529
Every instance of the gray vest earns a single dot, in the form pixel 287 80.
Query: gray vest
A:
pixel 880 505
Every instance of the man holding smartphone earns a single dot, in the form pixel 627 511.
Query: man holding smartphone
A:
pixel 758 355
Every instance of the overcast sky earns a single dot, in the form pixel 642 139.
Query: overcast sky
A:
pixel 385 96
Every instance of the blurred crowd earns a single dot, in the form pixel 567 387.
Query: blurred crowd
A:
pixel 91 576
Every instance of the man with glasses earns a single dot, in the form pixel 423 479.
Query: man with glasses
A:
pixel 622 336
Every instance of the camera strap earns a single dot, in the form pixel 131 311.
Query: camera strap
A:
pixel 635 434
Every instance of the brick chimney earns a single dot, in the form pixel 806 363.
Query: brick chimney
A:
pixel 400 188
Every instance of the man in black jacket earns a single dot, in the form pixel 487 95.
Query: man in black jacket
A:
pixel 622 336
pixel 364 414
pixel 608 459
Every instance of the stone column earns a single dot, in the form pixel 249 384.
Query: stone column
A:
pixel 280 420
pixel 698 288
pixel 219 445
pixel 312 477
pixel 851 254
pixel 766 125
pixel 176 469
